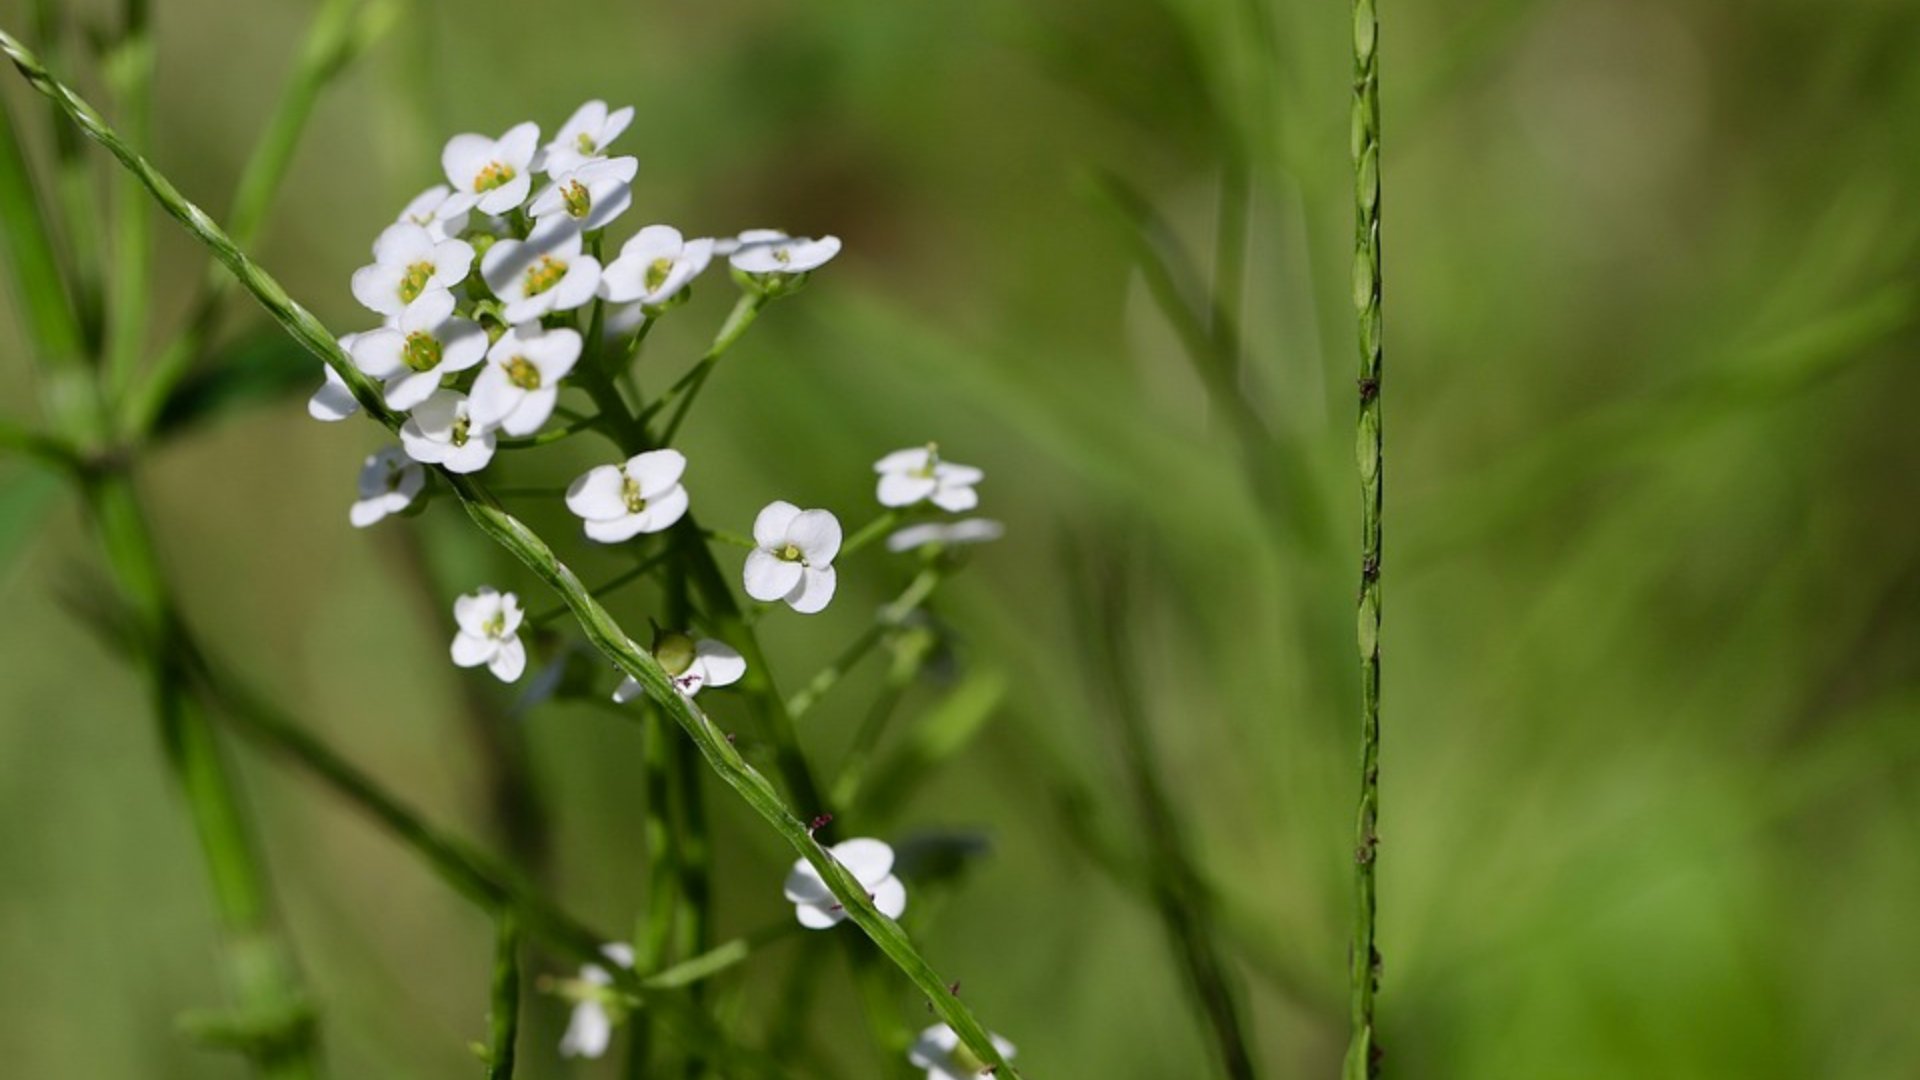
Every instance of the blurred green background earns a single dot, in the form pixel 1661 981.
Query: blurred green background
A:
pixel 1652 644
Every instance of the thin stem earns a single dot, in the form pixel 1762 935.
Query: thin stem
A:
pixel 889 619
pixel 910 656
pixel 503 1019
pixel 732 538
pixel 1363 1053
pixel 870 532
pixel 745 310
pixel 130 72
pixel 38 447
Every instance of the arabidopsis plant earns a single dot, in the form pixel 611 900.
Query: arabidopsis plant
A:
pixel 591 195
pixel 654 266
pixel 545 272
pixel 584 137
pixel 793 559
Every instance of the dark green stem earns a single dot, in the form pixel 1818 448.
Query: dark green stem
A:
pixel 503 1019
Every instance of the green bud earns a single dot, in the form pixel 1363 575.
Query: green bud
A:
pixel 674 650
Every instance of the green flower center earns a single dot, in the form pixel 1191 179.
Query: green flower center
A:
pixel 493 176
pixel 578 199
pixel 522 373
pixel 422 351
pixel 586 144
pixel 630 494
pixel 460 429
pixel 781 256
pixel 657 272
pixel 544 274
pixel 925 471
pixel 497 625
pixel 414 282
pixel 790 553
pixel 675 651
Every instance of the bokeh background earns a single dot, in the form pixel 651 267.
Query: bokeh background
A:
pixel 1653 578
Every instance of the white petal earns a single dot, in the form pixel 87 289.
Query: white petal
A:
pixel 333 401
pixel 814 592
pixel 411 389
pixel 377 288
pixel 462 344
pixel 718 663
pixel 598 494
pixel 452 260
pixel 804 885
pixel 589 1031
pixel 912 459
pixel 615 123
pixel 464 157
pixel 903 489
pixel 472 611
pixel 380 353
pixel 554 353
pixel 656 470
pixel 432 307
pixel 616 530
pixel 402 244
pixel 770 527
pixel 819 916
pixel 420 447
pixel 516 147
pixel 768 578
pixel 577 287
pixel 870 861
pixel 817 534
pixel 534 408
pixel 890 896
pixel 475 455
pixel 663 510
pixel 494 396
pixel 504 268
pixel 956 500
pixel 508 664
pixel 365 512
pixel 507 196
pixel 628 689
pixel 472 650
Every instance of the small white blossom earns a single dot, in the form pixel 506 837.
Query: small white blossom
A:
pixel 333 402
pixel 428 341
pixel 641 495
pixel 794 557
pixel 584 137
pixel 693 665
pixel 434 211
pixel 441 431
pixel 654 265
pixel 871 864
pixel 939 1051
pixel 547 271
pixel 911 476
pixel 591 195
pixel 517 389
pixel 590 1028
pixel 490 175
pixel 489 633
pixel 388 484
pixel 769 251
pixel 945 533
pixel 408 263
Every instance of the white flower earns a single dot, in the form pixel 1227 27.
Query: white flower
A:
pixel 592 195
pixel 333 402
pixel 939 1051
pixel 407 263
pixel 653 265
pixel 692 664
pixel 910 476
pixel 871 864
pixel 441 431
pixel 434 211
pixel 794 559
pixel 727 245
pixel 388 483
pixel 584 137
pixel 427 342
pixel 490 175
pixel 946 533
pixel 489 633
pixel 590 1028
pixel 517 389
pixel 642 495
pixel 545 272
pixel 769 251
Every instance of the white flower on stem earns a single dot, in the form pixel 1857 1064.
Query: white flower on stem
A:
pixel 871 864
pixel 388 483
pixel 333 402
pixel 584 137
pixel 590 1028
pixel 441 432
pixel 435 211
pixel 408 263
pixel 641 495
pixel 769 251
pixel 545 272
pixel 793 559
pixel 653 266
pixel 427 342
pixel 940 1051
pixel 945 533
pixel 520 384
pixel 490 175
pixel 918 474
pixel 693 665
pixel 489 633
pixel 591 195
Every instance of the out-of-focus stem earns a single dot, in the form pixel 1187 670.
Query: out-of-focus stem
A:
pixel 503 1018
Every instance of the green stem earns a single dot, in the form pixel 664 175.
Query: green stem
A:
pixel 868 533
pixel 889 619
pixel 745 310
pixel 1363 1052
pixel 130 72
pixel 503 1019
pixel 910 656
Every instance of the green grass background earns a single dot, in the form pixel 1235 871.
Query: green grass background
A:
pixel 1652 652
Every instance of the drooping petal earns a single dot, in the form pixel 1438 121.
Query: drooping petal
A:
pixel 912 459
pixel 814 592
pixel 510 661
pixel 663 510
pixel 768 578
pixel 333 401
pixel 870 861
pixel 628 690
pixel 472 650
pixel 770 527
pixel 598 494
pixel 956 500
pixel 903 488
pixel 804 885
pixel 719 664
pixel 533 410
pixel 817 534
pixel 890 896
pixel 616 530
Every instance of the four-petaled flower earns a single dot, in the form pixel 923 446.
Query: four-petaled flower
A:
pixel 408 263
pixel 940 1051
pixel 592 194
pixel 517 389
pixel 490 175
pixel 441 432
pixel 590 1028
pixel 945 533
pixel 545 272
pixel 388 483
pixel 426 342
pixel 431 211
pixel 584 137
pixel 794 557
pixel 641 495
pixel 871 864
pixel 653 266
pixel 490 633
pixel 910 476
pixel 770 251
pixel 691 664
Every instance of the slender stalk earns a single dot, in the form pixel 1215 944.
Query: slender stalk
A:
pixel 533 552
pixel 889 619
pixel 131 75
pixel 503 1019
pixel 1363 1053
pixel 745 310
